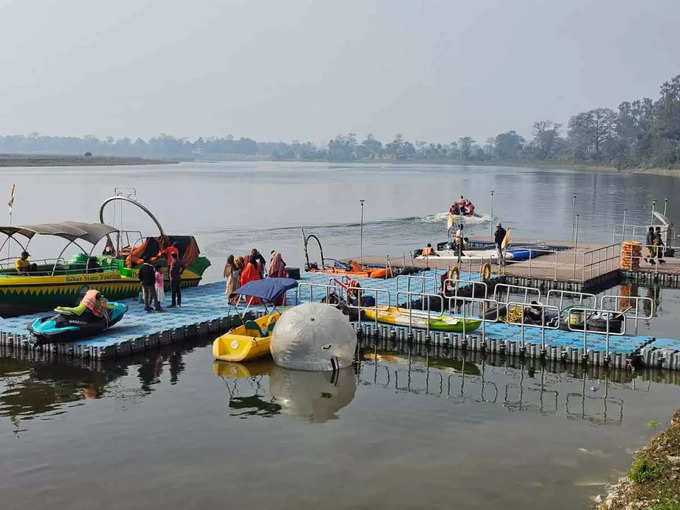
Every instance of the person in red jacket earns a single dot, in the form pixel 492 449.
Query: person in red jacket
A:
pixel 249 274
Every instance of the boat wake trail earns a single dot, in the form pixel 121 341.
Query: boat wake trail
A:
pixel 469 220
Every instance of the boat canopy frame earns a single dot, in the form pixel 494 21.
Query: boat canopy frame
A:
pixel 72 231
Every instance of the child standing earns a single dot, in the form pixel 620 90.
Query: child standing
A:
pixel 160 286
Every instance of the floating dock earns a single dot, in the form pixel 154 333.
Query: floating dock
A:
pixel 564 265
pixel 205 311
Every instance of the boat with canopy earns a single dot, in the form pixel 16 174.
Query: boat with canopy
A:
pixel 63 280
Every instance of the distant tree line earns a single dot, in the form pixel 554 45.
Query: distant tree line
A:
pixel 639 133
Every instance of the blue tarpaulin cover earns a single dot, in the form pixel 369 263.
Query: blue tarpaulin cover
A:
pixel 268 289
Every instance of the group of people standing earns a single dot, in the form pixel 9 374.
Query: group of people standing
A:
pixel 153 281
pixel 655 246
pixel 240 270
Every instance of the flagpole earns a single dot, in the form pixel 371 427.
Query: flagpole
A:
pixel 11 209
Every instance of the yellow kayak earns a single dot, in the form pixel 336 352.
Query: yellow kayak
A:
pixel 246 342
pixel 420 319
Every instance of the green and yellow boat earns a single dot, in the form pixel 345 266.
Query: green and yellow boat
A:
pixel 48 283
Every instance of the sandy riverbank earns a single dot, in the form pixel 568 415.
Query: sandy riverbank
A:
pixel 15 160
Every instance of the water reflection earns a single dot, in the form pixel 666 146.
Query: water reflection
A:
pixel 34 384
pixel 312 396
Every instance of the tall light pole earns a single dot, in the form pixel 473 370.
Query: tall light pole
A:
pixel 362 231
pixel 573 218
pixel 492 218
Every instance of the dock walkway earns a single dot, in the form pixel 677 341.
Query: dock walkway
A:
pixel 584 267
pixel 204 310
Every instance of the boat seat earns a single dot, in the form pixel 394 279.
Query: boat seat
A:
pixel 251 325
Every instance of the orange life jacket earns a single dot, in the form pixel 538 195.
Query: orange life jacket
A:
pixel 428 250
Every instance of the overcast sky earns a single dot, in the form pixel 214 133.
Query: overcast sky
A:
pixel 293 69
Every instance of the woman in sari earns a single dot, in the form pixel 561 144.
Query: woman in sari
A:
pixel 249 274
pixel 232 272
pixel 277 266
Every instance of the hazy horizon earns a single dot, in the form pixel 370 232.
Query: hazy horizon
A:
pixel 273 71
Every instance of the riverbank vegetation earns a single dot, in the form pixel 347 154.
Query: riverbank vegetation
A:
pixel 12 160
pixel 653 481
pixel 640 133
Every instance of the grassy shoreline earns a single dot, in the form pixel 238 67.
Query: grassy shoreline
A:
pixel 653 482
pixel 38 160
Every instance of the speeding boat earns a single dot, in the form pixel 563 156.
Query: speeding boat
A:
pixel 61 281
pixel 251 340
pixel 66 326
pixel 419 319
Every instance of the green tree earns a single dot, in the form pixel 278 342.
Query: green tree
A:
pixel 509 145
pixel 465 147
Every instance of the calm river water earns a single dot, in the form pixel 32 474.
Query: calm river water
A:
pixel 406 430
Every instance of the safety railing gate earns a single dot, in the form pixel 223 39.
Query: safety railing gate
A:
pixel 591 299
pixel 408 281
pixel 534 309
pixel 450 284
pixel 586 315
pixel 420 314
pixel 517 289
pixel 621 304
pixel 487 310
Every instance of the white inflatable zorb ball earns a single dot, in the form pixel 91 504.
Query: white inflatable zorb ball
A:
pixel 313 336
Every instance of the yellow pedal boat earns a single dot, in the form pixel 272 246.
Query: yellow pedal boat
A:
pixel 246 342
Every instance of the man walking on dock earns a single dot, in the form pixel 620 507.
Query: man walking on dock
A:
pixel 498 238
pixel 175 272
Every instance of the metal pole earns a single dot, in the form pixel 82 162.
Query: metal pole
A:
pixel 362 232
pixel 573 212
pixel 492 217
pixel 623 233
pixel 576 244
pixel 665 206
pixel 653 209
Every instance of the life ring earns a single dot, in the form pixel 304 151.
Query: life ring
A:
pixel 485 273
pixel 452 278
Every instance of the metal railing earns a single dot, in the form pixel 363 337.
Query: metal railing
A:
pixel 586 315
pixel 572 295
pixel 523 324
pixel 601 261
pixel 517 289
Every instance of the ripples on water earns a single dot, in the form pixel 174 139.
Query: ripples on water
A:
pixel 403 428
pixel 401 417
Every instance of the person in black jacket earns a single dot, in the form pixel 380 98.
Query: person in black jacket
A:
pixel 498 238
pixel 175 273
pixel 147 277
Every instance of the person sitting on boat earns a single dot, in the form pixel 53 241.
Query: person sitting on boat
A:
pixel 428 251
pixel 23 265
pixel 93 302
pixel 455 209
pixel 651 248
pixel 469 208
pixel 109 249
